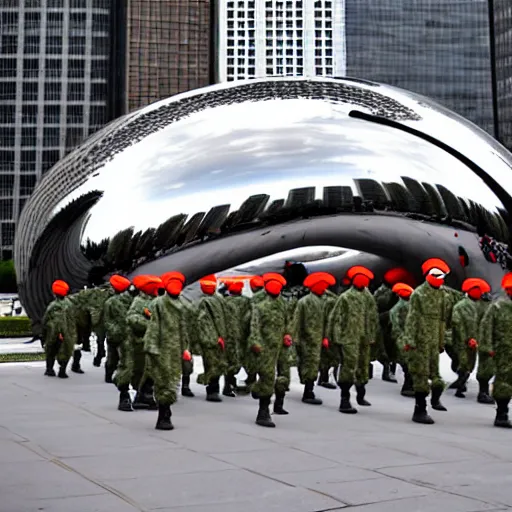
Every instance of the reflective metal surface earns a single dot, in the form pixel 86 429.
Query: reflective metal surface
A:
pixel 212 179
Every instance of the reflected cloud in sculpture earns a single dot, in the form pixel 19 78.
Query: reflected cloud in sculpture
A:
pixel 215 178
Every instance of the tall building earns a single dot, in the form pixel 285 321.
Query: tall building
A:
pixel 67 67
pixel 438 48
pixel 258 38
pixel 502 13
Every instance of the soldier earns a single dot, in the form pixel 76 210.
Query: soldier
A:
pixel 96 305
pixel 82 325
pixel 423 337
pixel 59 331
pixel 308 328
pixel 353 325
pixel 166 345
pixel 386 299
pixel 237 308
pixel 188 364
pixel 466 317
pixel 329 355
pixel 397 317
pixel 115 310
pixel 211 332
pixel 270 341
pixel 485 369
pixel 257 285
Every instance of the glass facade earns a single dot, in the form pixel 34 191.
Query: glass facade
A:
pixel 438 48
pixel 503 53
pixel 168 49
pixel 53 78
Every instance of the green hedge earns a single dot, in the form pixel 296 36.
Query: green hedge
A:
pixel 7 277
pixel 15 327
pixel 22 357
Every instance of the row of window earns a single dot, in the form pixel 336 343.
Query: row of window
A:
pixel 27 184
pixel 52 91
pixel 10 19
pixel 52 114
pixel 54 4
pixel 276 70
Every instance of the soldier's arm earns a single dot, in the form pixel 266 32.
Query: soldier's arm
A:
pixel 152 337
pixel 206 331
pixel 336 320
pixel 412 322
pixel 138 317
pixel 486 330
pixel 255 341
pixel 297 322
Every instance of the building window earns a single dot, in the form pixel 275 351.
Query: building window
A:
pixel 49 159
pixel 53 68
pixel 7 235
pixel 31 45
pixel 6 137
pixel 30 68
pixel 54 45
pixel 51 137
pixel 77 45
pixel 6 209
pixel 6 184
pixel 7 161
pixel 27 184
pixel 75 114
pixel 9 44
pixel 98 92
pixel 28 137
pixel 52 91
pixel 75 91
pixel 52 114
pixel 29 114
pixel 28 161
pixel 7 114
pixel 74 137
pixel 76 68
pixel 7 68
pixel 98 115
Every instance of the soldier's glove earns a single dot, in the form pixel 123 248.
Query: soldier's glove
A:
pixel 408 347
pixel 147 313
pixel 221 343
pixel 187 356
pixel 287 340
pixel 492 353
pixel 472 344
pixel 325 343
pixel 256 349
pixel 61 337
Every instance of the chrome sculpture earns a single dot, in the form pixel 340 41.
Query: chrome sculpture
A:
pixel 214 178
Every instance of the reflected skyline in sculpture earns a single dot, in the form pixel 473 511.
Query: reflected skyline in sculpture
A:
pixel 224 175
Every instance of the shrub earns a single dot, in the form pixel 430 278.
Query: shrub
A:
pixel 22 357
pixel 15 327
pixel 8 277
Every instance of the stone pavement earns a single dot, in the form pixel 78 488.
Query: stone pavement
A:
pixel 18 345
pixel 64 447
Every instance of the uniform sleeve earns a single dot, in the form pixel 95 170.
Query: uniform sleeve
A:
pixel 255 329
pixel 206 331
pixel 412 321
pixel 373 320
pixel 486 330
pixel 136 320
pixel 111 326
pixel 152 337
pixel 460 334
pixel 336 320
pixel 297 323
pixel 184 329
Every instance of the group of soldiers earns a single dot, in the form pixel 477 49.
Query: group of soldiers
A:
pixel 152 333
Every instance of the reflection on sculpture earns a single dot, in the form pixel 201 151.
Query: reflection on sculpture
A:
pixel 211 179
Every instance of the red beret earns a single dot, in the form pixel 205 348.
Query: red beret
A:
pixel 396 275
pixel 506 282
pixel 60 288
pixel 402 289
pixel 475 282
pixel 434 263
pixel 257 282
pixel 147 283
pixel 317 277
pixel 354 271
pixel 119 283
pixel 172 275
pixel 236 287
pixel 273 276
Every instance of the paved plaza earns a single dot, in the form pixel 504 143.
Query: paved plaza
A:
pixel 65 447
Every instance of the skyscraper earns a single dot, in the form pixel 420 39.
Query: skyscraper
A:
pixel 438 48
pixel 258 38
pixel 67 67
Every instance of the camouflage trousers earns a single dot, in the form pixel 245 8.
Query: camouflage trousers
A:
pixel 273 376
pixel 467 359
pixel 308 361
pixel 329 358
pixel 424 366
pixel 485 367
pixel 214 362
pixel 232 358
pixel 132 360
pixel 61 351
pixel 356 362
pixel 113 356
pixel 166 375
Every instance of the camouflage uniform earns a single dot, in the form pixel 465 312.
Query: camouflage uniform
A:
pixel 237 310
pixel 424 334
pixel 354 326
pixel 96 305
pixel 59 334
pixel 187 367
pixel 496 338
pixel 486 367
pixel 165 341
pixel 397 317
pixel 210 326
pixel 250 358
pixel 453 296
pixel 269 325
pixel 115 310
pixel 82 325
pixel 329 357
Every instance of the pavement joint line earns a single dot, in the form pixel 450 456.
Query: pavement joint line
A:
pixel 437 489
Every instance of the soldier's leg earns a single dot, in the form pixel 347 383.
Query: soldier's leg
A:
pixel 212 373
pixel 85 339
pixel 346 377
pixel 407 387
pixel 484 375
pixel 50 348
pixel 123 376
pixel 282 384
pixel 502 392
pixel 264 389
pixel 187 369
pixel 100 343
pixel 75 366
pixel 140 380
pixel 467 362
pixel 389 362
pixel 437 383
pixel 362 374
pixel 145 393
pixel 418 365
pixel 112 361
pixel 165 391
pixel 328 360
pixel 233 359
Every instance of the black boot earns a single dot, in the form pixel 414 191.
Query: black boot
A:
pixel 323 380
pixel 109 372
pixel 407 388
pixel 309 395
pixel 147 396
pixel 420 410
pixel 263 419
pixel 125 402
pixel 483 392
pixel 75 367
pixel 97 361
pixel 50 363
pixel 228 386
pixel 435 400
pixel 185 387
pixel 502 414
pixel 212 391
pixel 164 418
pixel 386 374
pixel 62 372
pixel 278 404
pixel 345 405
pixel 370 371
pixel 463 378
pixel 456 384
pixel 139 403
pixel 361 392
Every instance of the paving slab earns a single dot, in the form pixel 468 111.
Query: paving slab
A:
pixel 65 446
